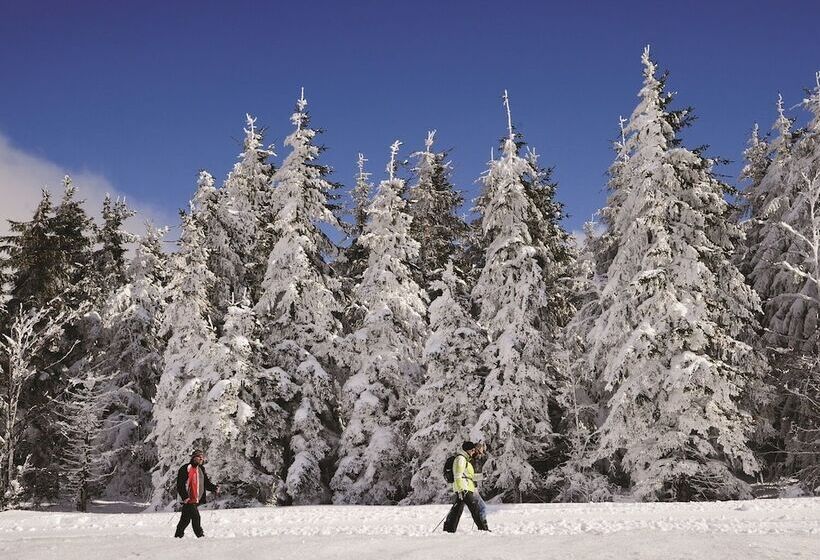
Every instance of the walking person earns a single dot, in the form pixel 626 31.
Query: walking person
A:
pixel 192 486
pixel 478 461
pixel 465 490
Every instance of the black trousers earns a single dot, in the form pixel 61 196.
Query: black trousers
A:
pixel 451 523
pixel 190 514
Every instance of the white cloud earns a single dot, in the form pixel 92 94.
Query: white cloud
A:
pixel 579 235
pixel 23 177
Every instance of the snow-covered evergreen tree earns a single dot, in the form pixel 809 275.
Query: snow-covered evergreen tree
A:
pixel 34 272
pixel 446 402
pixel 29 333
pixel 387 348
pixel 353 261
pixel 212 391
pixel 774 257
pixel 765 200
pixel 223 260
pixel 211 394
pixel 132 357
pixel 84 463
pixel 246 211
pixel 298 298
pixel 235 397
pixel 668 345
pixel 756 156
pixel 798 323
pixel 179 415
pixel 299 308
pixel 433 206
pixel 73 237
pixel 520 281
pixel 790 322
pixel 362 192
pixel 108 257
pixel 792 308
pixel 579 395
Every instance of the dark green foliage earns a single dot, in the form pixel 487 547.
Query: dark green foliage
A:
pixel 434 203
pixel 109 256
pixel 47 262
pixel 545 228
pixel 29 255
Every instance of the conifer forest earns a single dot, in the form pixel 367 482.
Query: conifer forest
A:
pixel 334 344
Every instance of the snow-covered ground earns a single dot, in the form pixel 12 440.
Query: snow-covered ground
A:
pixel 777 529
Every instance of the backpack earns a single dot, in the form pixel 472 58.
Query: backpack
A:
pixel 448 468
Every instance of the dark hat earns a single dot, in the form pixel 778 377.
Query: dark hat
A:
pixel 468 445
pixel 197 453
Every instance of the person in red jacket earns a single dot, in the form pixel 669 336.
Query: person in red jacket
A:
pixel 192 486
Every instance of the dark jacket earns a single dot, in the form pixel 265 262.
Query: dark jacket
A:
pixel 182 483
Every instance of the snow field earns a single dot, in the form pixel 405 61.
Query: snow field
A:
pixel 766 529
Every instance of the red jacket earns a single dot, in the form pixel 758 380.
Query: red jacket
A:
pixel 182 483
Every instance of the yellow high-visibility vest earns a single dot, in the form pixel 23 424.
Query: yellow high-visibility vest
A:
pixel 463 473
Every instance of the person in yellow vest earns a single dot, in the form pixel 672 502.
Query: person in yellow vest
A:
pixel 465 490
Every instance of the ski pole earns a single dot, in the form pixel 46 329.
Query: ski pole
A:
pixel 439 523
pixel 171 517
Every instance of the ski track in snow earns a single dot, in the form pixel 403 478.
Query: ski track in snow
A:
pixel 776 529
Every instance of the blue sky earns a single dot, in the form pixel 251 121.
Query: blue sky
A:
pixel 138 96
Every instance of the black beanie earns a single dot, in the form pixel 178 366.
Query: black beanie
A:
pixel 467 445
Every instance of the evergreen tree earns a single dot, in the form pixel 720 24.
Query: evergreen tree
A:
pixel 83 463
pixel 757 157
pixel 29 333
pixel 797 322
pixel 544 225
pixel 211 394
pixel 132 358
pixel 790 323
pixel 762 204
pixel 386 351
pixel 353 261
pixel 246 211
pixel 234 396
pixel 178 412
pixel 33 282
pixel 582 393
pixel 108 258
pixel 213 207
pixel 765 200
pixel 299 308
pixel 446 400
pixel 792 306
pixel 433 206
pixel 73 232
pixel 519 281
pixel 362 193
pixel 579 395
pixel 667 346
pixel 29 259
pixel 51 257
